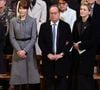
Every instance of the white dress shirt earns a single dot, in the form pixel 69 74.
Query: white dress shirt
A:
pixel 39 11
pixel 55 41
pixel 69 16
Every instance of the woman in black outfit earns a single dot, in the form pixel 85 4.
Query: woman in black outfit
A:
pixel 83 51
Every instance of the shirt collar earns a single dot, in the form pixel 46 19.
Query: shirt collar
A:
pixel 52 23
pixel 92 6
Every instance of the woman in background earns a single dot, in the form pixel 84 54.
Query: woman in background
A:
pixel 24 72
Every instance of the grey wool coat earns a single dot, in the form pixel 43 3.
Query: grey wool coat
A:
pixel 23 71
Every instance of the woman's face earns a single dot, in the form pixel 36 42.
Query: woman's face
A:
pixel 22 11
pixel 84 11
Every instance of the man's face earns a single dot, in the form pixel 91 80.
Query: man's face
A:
pixel 54 14
pixel 91 1
pixel 2 3
pixel 62 5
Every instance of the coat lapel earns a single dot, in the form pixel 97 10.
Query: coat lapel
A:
pixel 58 35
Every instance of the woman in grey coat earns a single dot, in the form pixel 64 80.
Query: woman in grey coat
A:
pixel 23 37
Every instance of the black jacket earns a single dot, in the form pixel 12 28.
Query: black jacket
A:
pixel 85 33
pixel 61 66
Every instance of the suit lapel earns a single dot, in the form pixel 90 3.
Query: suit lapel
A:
pixel 58 33
pixel 49 31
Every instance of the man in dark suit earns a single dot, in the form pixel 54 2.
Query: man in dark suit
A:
pixel 55 51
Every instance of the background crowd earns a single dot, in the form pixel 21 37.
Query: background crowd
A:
pixel 63 33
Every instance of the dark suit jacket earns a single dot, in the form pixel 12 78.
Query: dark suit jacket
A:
pixel 86 60
pixel 60 67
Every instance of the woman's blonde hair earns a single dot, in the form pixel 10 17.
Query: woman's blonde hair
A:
pixel 85 3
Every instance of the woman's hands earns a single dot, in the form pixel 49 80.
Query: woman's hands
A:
pixel 21 54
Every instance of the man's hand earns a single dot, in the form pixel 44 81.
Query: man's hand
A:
pixel 55 56
pixel 59 56
pixel 51 56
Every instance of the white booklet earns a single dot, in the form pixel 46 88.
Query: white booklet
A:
pixel 79 51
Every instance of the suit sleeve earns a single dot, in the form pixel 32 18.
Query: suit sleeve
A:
pixel 44 42
pixel 70 40
pixel 41 39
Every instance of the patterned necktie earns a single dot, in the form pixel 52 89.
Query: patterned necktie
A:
pixel 54 37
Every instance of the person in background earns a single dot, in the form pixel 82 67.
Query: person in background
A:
pixel 13 4
pixel 66 13
pixel 84 50
pixel 5 48
pixel 95 14
pixel 55 42
pixel 75 4
pixel 24 70
pixel 49 3
pixel 38 10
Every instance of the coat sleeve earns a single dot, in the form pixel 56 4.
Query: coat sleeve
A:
pixel 12 36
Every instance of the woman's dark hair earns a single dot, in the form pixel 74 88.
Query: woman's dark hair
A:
pixel 67 1
pixel 24 4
